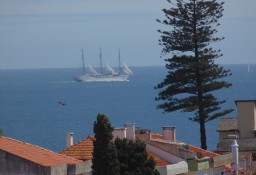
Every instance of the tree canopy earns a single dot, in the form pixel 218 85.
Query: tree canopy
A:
pixel 193 75
pixel 121 157
pixel 133 158
pixel 104 160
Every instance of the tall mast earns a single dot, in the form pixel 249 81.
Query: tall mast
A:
pixel 119 62
pixel 83 60
pixel 101 69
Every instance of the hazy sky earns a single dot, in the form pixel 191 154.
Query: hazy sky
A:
pixel 51 33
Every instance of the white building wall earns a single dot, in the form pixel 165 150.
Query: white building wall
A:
pixel 164 155
pixel 130 131
pixel 179 168
pixel 246 115
pixel 119 133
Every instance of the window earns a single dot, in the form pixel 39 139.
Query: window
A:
pixel 253 156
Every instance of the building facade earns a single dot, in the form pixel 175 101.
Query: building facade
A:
pixel 20 158
pixel 242 128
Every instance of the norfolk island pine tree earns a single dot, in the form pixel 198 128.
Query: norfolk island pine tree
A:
pixel 192 72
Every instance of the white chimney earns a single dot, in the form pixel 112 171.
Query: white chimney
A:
pixel 169 133
pixel 119 133
pixel 70 139
pixel 130 131
pixel 235 156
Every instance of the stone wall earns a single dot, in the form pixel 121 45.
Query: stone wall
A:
pixel 11 164
pixel 14 165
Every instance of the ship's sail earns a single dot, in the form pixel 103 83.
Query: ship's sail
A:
pixel 92 71
pixel 107 75
pixel 109 70
pixel 126 70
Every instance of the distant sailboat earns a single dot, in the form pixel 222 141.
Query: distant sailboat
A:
pixel 107 73
pixel 249 68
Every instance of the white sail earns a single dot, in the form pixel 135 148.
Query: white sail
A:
pixel 92 71
pixel 126 70
pixel 107 75
pixel 110 70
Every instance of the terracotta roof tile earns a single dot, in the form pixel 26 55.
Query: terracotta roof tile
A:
pixel 205 153
pixel 159 161
pixel 82 150
pixel 34 153
pixel 192 148
pixel 227 124
pixel 156 136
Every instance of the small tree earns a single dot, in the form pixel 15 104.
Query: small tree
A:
pixel 133 158
pixel 104 152
pixel 1 132
pixel 192 72
pixel 121 157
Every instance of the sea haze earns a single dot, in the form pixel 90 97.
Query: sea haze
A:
pixel 30 109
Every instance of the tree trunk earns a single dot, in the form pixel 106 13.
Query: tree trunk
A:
pixel 203 134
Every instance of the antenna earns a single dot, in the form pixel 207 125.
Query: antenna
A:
pixel 83 60
pixel 119 62
pixel 101 70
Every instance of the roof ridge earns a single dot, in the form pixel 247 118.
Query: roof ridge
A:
pixel 39 147
pixel 67 148
pixel 203 150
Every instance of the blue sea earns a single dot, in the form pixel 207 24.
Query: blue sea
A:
pixel 30 112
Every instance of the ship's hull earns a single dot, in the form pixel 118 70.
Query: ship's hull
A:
pixel 101 78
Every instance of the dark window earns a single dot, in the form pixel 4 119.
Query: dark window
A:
pixel 253 156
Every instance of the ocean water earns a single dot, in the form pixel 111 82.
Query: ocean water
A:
pixel 29 108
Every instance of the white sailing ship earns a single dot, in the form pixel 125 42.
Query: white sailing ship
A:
pixel 106 74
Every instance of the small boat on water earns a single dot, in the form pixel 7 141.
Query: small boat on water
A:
pixel 106 74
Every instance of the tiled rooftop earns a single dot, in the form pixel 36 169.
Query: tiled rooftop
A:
pixel 191 148
pixel 245 144
pixel 82 150
pixel 205 153
pixel 159 161
pixel 227 124
pixel 156 136
pixel 159 137
pixel 237 101
pixel 34 153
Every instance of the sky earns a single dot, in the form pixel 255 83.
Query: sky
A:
pixel 51 33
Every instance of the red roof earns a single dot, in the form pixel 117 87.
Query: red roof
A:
pixel 205 153
pixel 34 153
pixel 156 136
pixel 159 161
pixel 82 150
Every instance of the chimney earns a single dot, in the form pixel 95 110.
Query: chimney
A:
pixel 119 133
pixel 70 139
pixel 130 131
pixel 169 133
pixel 235 155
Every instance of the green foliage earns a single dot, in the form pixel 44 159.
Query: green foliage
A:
pixel 1 132
pixel 133 158
pixel 112 161
pixel 104 152
pixel 122 157
pixel 192 72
